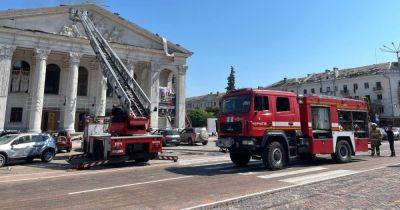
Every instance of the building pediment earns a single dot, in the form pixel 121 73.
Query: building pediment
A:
pixel 56 21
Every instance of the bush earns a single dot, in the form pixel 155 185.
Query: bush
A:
pixel 199 117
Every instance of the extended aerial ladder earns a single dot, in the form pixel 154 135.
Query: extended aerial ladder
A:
pixel 134 101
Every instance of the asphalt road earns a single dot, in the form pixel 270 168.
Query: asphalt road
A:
pixel 202 178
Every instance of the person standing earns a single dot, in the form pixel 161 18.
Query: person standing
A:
pixel 375 137
pixel 390 136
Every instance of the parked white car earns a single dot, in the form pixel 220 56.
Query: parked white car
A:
pixel 27 147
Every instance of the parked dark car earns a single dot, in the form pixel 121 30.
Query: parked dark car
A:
pixel 27 146
pixel 171 137
pixel 64 141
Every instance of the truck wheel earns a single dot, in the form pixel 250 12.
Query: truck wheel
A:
pixel 240 158
pixel 343 152
pixel 274 156
pixel 204 143
pixel 47 155
pixel 3 160
pixel 29 159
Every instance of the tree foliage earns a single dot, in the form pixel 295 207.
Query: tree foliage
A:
pixel 199 117
pixel 231 80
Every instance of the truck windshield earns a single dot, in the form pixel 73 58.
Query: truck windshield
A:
pixel 236 104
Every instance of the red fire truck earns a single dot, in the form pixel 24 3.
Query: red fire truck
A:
pixel 126 135
pixel 276 126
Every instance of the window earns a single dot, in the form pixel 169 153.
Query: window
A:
pixel 38 138
pixel 282 104
pixel 261 103
pixel 83 77
pixel 24 139
pixel 16 114
pixel 368 97
pixel 305 91
pixel 20 77
pixel 345 122
pixel 52 83
pixel 357 97
pixel 320 118
pixel 312 90
pixel 336 88
pixel 381 110
pixel 236 104
pixel 379 96
pixel 320 90
pixel 360 124
pixel 328 89
pixel 366 85
pixel 355 87
pixel 378 86
pixel 345 88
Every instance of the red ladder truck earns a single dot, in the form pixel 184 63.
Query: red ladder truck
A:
pixel 125 135
pixel 276 126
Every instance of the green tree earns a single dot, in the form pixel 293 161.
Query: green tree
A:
pixel 231 80
pixel 199 117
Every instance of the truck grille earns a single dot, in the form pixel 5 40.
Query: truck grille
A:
pixel 231 127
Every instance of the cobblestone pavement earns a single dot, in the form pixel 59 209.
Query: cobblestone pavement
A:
pixel 377 189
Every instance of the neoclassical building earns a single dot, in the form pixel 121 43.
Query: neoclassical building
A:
pixel 50 78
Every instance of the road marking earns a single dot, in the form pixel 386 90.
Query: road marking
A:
pixel 289 173
pixel 202 160
pixel 268 191
pixel 319 177
pixel 129 185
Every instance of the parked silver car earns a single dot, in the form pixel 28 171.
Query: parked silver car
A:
pixel 27 146
pixel 194 135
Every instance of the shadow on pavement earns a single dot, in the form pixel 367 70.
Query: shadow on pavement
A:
pixel 254 166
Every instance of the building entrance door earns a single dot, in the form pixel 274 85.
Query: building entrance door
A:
pixel 50 121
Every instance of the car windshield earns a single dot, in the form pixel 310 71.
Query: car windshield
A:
pixel 236 104
pixel 7 138
pixel 171 132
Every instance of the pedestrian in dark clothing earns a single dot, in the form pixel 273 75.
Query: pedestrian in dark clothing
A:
pixel 390 136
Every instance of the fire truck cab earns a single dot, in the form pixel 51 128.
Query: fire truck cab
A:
pixel 276 126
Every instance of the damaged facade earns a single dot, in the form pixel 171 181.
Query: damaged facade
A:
pixel 379 83
pixel 50 78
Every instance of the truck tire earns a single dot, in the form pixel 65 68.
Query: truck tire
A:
pixel 240 158
pixel 3 160
pixel 274 156
pixel 204 143
pixel 47 155
pixel 343 152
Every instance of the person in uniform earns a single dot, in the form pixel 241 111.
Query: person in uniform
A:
pixel 390 136
pixel 375 138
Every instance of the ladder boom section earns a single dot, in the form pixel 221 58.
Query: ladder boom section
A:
pixel 130 94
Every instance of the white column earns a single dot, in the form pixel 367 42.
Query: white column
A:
pixel 101 96
pixel 180 108
pixel 6 53
pixel 39 76
pixel 154 84
pixel 71 92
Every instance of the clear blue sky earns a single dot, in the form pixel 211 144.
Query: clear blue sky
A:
pixel 263 40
